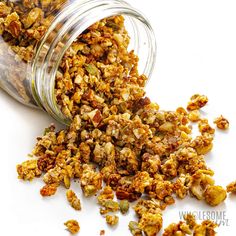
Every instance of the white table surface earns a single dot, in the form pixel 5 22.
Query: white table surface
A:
pixel 196 54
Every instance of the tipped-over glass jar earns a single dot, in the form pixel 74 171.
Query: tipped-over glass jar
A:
pixel 35 34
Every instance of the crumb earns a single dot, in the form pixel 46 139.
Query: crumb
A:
pixel 72 226
pixel 222 123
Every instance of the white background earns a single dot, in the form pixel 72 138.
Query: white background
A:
pixel 196 54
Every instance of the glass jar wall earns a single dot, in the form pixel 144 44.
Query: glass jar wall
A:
pixel 34 36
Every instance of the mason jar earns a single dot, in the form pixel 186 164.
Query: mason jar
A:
pixel 28 70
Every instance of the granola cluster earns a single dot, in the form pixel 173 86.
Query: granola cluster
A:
pixel 72 226
pixel 190 227
pixel 22 25
pixel 119 138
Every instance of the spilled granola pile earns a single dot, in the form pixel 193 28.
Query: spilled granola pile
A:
pixel 120 143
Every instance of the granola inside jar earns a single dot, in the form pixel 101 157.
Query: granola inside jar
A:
pixel 36 34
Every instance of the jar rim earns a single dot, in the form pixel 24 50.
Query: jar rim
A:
pixel 48 59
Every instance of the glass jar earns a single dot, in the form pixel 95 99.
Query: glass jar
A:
pixel 28 70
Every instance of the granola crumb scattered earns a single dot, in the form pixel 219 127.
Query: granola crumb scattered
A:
pixel 73 200
pixel 28 170
pixel 190 220
pixel 112 220
pixel 102 232
pixel 231 188
pixel 204 127
pixel 72 226
pixel 196 102
pixel 48 190
pixel 221 123
pixel 190 227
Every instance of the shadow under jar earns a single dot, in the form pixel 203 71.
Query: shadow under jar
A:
pixel 35 35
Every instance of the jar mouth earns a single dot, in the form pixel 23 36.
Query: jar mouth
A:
pixel 68 25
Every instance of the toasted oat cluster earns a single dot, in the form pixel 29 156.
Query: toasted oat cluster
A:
pixel 231 188
pixel 22 25
pixel 72 226
pixel 196 102
pixel 98 76
pixel 73 200
pixel 120 139
pixel 48 190
pixel 112 219
pixel 222 123
pixel 190 227
pixel 214 195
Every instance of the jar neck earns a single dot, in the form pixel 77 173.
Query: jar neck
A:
pixel 70 22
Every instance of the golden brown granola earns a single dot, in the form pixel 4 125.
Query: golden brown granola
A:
pixel 150 216
pixel 194 115
pixel 196 102
pixel 204 127
pixel 180 229
pixel 221 123
pixel 48 190
pixel 231 188
pixel 112 220
pixel 134 229
pixel 91 181
pixel 28 170
pixel 124 206
pixel 214 195
pixel 108 206
pixel 207 227
pixel 150 223
pixel 117 136
pixel 190 227
pixel 72 226
pixel 22 26
pixel 73 200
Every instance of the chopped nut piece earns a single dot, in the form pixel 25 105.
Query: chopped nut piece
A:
pixel 190 220
pixel 221 123
pixel 48 190
pixel 134 229
pixel 72 226
pixel 109 206
pixel 102 232
pixel 73 200
pixel 181 186
pixel 28 170
pixel 200 181
pixel 196 102
pixel 112 220
pixel 124 206
pixel 214 195
pixel 91 181
pixel 106 194
pixel 144 206
pixel 231 188
pixel 207 227
pixel 204 127
pixel 151 223
pixel 194 115
pixel 203 144
pixel 177 229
